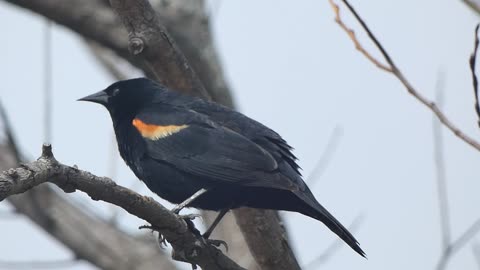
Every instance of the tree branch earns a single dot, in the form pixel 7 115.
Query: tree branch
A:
pixel 73 227
pixel 392 68
pixel 150 42
pixel 473 61
pixel 187 246
pixel 473 4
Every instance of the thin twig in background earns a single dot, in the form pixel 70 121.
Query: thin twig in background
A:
pixel 449 247
pixel 325 158
pixel 392 68
pixel 473 60
pixel 47 83
pixel 440 170
pixel 65 263
pixel 476 253
pixel 353 37
pixel 335 245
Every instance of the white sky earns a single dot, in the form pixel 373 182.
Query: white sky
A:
pixel 292 68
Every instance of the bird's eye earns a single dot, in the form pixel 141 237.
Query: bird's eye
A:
pixel 115 92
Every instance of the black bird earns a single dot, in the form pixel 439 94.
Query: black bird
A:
pixel 179 145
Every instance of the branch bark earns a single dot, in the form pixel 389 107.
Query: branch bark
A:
pixel 188 247
pixel 73 227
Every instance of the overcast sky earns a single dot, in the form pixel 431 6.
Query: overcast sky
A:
pixel 292 68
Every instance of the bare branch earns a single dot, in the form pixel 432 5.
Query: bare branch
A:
pixel 473 4
pixel 473 60
pixel 151 43
pixel 353 37
pixel 273 250
pixel 440 170
pixel 401 77
pixel 187 246
pixel 72 227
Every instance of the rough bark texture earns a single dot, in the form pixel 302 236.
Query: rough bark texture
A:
pixel 188 246
pixel 274 238
pixel 106 247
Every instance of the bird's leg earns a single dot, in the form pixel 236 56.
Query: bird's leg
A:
pixel 219 217
pixel 209 231
pixel 185 203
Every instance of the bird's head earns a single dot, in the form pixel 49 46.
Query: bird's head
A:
pixel 125 98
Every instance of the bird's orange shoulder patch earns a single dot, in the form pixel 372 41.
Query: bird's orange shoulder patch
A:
pixel 155 132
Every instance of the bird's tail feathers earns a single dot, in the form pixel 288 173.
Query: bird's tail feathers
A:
pixel 317 211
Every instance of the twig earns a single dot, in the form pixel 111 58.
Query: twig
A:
pixel 66 263
pixel 448 247
pixel 473 60
pixel 335 245
pixel 188 247
pixel 401 77
pixel 47 83
pixel 353 37
pixel 440 170
pixel 476 253
pixel 324 160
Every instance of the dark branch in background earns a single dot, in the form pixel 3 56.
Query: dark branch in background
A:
pixel 187 246
pixel 392 68
pixel 473 61
pixel 334 246
pixel 473 4
pixel 150 42
pixel 327 154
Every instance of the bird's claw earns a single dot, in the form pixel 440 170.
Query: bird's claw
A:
pixel 217 243
pixel 189 216
pixel 161 239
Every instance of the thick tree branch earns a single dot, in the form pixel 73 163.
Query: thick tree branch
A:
pixel 73 227
pixel 392 68
pixel 187 246
pixel 150 42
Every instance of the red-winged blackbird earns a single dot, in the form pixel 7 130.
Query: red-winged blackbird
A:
pixel 179 145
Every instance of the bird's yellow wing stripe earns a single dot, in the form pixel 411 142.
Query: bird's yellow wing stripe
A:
pixel 155 132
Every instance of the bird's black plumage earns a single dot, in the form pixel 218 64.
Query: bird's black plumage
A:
pixel 178 145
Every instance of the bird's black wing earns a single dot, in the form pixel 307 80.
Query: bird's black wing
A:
pixel 191 142
pixel 249 128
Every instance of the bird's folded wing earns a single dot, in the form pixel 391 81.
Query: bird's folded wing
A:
pixel 198 146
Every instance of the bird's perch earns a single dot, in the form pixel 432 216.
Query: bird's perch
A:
pixel 187 246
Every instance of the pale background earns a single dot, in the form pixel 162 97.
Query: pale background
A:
pixel 292 68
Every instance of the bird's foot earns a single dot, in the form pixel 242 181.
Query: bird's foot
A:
pixel 217 243
pixel 162 242
pixel 189 221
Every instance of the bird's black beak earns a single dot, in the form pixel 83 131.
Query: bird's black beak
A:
pixel 99 97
